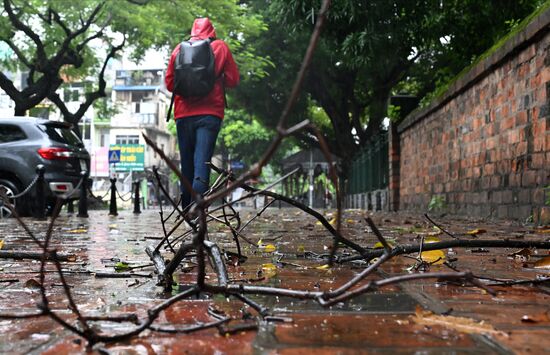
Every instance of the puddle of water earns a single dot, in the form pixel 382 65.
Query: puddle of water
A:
pixel 371 303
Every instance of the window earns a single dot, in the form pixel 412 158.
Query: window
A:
pixel 122 96
pixel 138 96
pixel 75 95
pixel 61 134
pixel 11 133
pixel 86 131
pixel 129 139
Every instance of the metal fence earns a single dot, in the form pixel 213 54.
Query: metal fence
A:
pixel 370 167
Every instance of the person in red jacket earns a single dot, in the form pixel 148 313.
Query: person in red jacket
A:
pixel 198 119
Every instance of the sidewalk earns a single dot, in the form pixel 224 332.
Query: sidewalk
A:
pixel 394 319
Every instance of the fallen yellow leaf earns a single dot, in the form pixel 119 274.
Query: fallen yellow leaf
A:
pixel 269 267
pixel 1 243
pixel 543 263
pixel 435 257
pixel 323 267
pixel 435 234
pixel 379 245
pixel 78 231
pixel 476 231
pixel 270 248
pixel 431 239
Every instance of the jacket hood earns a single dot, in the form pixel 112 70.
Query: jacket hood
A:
pixel 203 29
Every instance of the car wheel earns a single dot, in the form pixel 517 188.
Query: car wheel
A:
pixel 8 189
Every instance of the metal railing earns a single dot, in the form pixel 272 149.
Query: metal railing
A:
pixel 133 195
pixel 370 168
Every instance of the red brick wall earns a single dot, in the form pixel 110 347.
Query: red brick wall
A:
pixel 485 146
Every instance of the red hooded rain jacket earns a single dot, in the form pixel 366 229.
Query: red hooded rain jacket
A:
pixel 214 102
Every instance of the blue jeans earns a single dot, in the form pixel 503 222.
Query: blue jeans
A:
pixel 196 139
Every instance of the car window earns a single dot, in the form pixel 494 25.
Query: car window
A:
pixel 11 133
pixel 61 135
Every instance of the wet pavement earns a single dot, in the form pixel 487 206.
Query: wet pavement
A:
pixel 394 319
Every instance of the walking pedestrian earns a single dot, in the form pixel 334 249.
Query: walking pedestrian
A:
pixel 199 116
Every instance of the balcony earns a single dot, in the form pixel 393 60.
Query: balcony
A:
pixel 138 79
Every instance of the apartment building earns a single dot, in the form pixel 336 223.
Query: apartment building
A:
pixel 140 103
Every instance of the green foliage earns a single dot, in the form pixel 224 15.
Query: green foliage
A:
pixel 369 51
pixel 437 203
pixel 394 113
pixel 243 138
pixel 59 44
pixel 105 109
pixel 171 126
pixel 478 37
pixel 121 266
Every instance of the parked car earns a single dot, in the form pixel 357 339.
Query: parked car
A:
pixel 26 142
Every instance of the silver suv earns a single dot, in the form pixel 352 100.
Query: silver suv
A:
pixel 26 142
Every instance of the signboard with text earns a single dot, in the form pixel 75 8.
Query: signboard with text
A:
pixel 132 157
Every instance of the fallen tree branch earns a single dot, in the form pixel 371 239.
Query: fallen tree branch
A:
pixel 20 255
pixel 456 243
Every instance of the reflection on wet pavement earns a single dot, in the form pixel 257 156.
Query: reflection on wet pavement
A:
pixel 379 321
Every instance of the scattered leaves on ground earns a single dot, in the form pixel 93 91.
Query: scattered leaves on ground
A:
pixel 266 248
pixel 78 231
pixel 121 266
pixel 543 263
pixel 522 252
pixel 431 239
pixel 379 245
pixel 536 318
pixel 269 269
pixel 269 248
pixel 435 257
pixel 476 231
pixel 461 324
pixel 32 283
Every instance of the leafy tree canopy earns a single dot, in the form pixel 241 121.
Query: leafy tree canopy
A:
pixel 243 138
pixel 369 51
pixel 57 41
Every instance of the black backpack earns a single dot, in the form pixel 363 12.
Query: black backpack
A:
pixel 194 73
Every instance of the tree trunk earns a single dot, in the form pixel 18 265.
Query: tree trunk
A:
pixel 19 110
pixel 378 110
